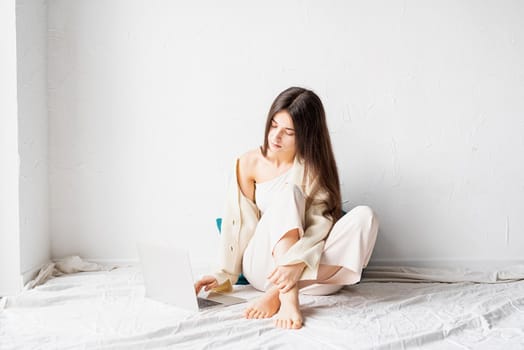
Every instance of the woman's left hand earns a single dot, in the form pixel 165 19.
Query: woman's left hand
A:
pixel 286 276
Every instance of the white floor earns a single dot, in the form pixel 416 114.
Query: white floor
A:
pixel 108 310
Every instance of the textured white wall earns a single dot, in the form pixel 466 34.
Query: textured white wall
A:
pixel 150 101
pixel 31 35
pixel 10 282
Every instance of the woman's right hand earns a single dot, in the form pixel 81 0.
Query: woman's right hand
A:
pixel 206 282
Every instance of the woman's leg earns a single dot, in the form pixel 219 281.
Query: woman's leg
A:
pixel 289 315
pixel 285 214
pixel 279 228
pixel 270 303
pixel 347 251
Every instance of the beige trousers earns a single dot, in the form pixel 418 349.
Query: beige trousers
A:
pixel 349 244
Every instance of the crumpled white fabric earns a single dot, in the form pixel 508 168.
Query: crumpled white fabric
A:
pixel 109 310
pixel 70 264
pixel 444 274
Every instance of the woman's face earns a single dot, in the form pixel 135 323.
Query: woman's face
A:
pixel 281 136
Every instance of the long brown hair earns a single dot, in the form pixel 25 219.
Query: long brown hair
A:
pixel 313 143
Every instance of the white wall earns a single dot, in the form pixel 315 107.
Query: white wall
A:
pixel 35 238
pixel 9 162
pixel 150 101
pixel 24 201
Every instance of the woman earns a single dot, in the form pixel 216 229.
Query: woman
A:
pixel 282 227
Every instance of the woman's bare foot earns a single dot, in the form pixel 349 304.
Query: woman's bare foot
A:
pixel 264 307
pixel 289 315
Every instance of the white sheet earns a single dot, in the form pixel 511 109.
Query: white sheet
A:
pixel 107 310
pixel 447 274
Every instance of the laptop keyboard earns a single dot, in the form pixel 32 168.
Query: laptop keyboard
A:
pixel 203 303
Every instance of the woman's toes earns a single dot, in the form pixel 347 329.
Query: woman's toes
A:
pixel 251 313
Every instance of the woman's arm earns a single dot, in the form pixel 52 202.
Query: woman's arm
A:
pixel 246 174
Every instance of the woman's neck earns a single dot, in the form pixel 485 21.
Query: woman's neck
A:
pixel 280 160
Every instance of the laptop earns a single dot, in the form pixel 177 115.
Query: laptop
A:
pixel 168 278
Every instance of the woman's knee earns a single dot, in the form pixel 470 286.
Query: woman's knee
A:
pixel 290 197
pixel 294 192
pixel 362 215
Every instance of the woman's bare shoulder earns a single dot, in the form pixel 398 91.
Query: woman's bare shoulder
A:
pixel 250 159
pixel 246 172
